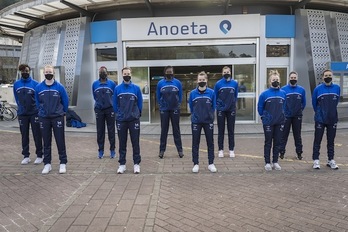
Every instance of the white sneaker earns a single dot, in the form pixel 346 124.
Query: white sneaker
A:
pixel 221 154
pixel 276 166
pixel 232 155
pixel 195 168
pixel 62 168
pixel 46 169
pixel 332 164
pixel 121 169
pixel 25 161
pixel 38 160
pixel 136 169
pixel 316 164
pixel 268 167
pixel 212 168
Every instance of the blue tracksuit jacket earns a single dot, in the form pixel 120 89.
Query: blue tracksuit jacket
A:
pixel 271 106
pixel 295 100
pixel 202 106
pixel 325 100
pixel 102 94
pixel 226 94
pixel 127 102
pixel 24 93
pixel 169 94
pixel 51 100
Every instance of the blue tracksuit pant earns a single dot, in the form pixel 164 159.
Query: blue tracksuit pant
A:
pixel 46 126
pixel 330 136
pixel 196 138
pixel 272 134
pixel 108 116
pixel 134 132
pixel 222 116
pixel 296 124
pixel 174 117
pixel 26 121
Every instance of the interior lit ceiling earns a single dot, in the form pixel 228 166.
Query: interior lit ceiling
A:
pixel 25 15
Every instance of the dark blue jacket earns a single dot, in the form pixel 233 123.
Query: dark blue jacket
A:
pixel 128 102
pixel 102 94
pixel 295 100
pixel 169 94
pixel 51 100
pixel 24 93
pixel 271 106
pixel 202 106
pixel 325 100
pixel 226 94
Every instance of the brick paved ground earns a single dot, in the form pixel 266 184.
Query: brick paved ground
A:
pixel 166 196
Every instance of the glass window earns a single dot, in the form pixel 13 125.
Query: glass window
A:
pixel 106 54
pixel 191 52
pixel 245 76
pixel 278 50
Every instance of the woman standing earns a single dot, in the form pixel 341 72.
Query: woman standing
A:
pixel 271 109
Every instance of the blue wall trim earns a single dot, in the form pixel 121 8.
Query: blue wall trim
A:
pixel 104 31
pixel 280 26
pixel 339 66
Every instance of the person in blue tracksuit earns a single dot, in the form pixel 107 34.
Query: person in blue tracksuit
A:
pixel 295 103
pixel 103 91
pixel 226 94
pixel 128 104
pixel 24 93
pixel 271 107
pixel 52 102
pixel 202 106
pixel 325 99
pixel 169 97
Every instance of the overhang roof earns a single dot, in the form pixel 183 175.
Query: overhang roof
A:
pixel 25 15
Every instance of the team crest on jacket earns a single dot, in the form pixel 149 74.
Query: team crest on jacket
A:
pixel 334 98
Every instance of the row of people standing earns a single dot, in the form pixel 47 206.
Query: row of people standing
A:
pixel 282 108
pixel 125 101
pixel 42 106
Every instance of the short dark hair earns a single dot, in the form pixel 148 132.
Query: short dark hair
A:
pixel 168 67
pixel 22 67
pixel 293 72
pixel 326 70
pixel 103 68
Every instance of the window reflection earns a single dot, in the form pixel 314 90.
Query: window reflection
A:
pixel 278 50
pixel 192 52
pixel 107 54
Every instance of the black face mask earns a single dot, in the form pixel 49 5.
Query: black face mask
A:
pixel 168 76
pixel 328 80
pixel 25 75
pixel 49 76
pixel 275 84
pixel 202 84
pixel 227 75
pixel 126 78
pixel 293 82
pixel 102 75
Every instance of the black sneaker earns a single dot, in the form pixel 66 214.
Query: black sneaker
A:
pixel 161 154
pixel 299 156
pixel 281 155
pixel 181 154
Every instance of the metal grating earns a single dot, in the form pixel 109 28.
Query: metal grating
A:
pixel 70 50
pixel 342 30
pixel 35 43
pixel 319 42
pixel 51 39
pixel 25 49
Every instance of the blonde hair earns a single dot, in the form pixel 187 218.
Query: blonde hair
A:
pixel 48 66
pixel 273 73
pixel 203 74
